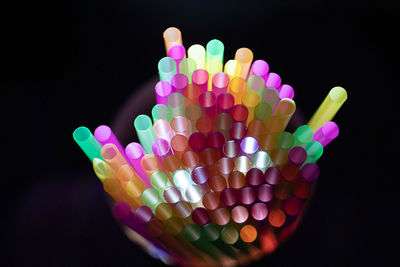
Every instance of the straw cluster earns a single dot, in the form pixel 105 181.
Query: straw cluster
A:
pixel 215 178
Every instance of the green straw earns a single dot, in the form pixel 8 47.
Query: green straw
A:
pixel 159 180
pixel 262 111
pixel 284 140
pixel 145 132
pixel 151 198
pixel 161 111
pixel 187 66
pixel 314 151
pixel 86 141
pixel 303 135
pixel 192 234
pixel 212 233
pixel 230 235
pixel 166 69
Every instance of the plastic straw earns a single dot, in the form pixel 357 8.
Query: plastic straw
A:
pixel 192 93
pixel 242 164
pixel 245 57
pixel 150 164
pixel 190 160
pixel 239 214
pixel 276 218
pixel 193 112
pixel 201 77
pixel 145 132
pixel 211 232
pixel 217 183
pixel 151 198
pixel 221 216
pixel 133 185
pixel 248 233
pixel 229 197
pixel 254 177
pixel 310 172
pixel 273 80
pixel 177 53
pixel 186 67
pixel 201 216
pixel 297 155
pixel 286 108
pixel 194 194
pixel 161 111
pixel 223 123
pixel 166 69
pixel 265 193
pixel 256 128
pixel 240 113
pixel 237 87
pixel 328 132
pixel 250 100
pixel 286 91
pixel 261 160
pixel 172 195
pixel 211 200
pixel 271 96
pixel 225 103
pixel 249 146
pixel 220 82
pixel 104 135
pixel 182 179
pixel 162 129
pixel 172 36
pixel 302 135
pixel 200 177
pixel 176 103
pixel 204 125
pixel 259 211
pixel 198 54
pixel 236 180
pixel 171 164
pixel 87 142
pixel 209 156
pixel 159 180
pixel 178 83
pixel 135 153
pixel 161 149
pixel 329 107
pixel 273 176
pixel 214 54
pixel 231 149
pixel 197 141
pixel 259 67
pixel 284 140
pixel 207 101
pixel 102 169
pixel 238 131
pixel 180 125
pixel 247 195
pixel 180 145
pixel 112 156
pixel 233 68
pixel 225 166
pixel 256 84
pixel 163 90
pixel 267 142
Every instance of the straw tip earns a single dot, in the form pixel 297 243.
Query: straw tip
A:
pixel 338 94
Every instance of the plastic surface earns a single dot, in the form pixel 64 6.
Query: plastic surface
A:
pixel 178 83
pixel 161 111
pixel 259 67
pixel 186 67
pixel 328 132
pixel 166 69
pixel 163 89
pixel 200 77
pixel 237 87
pixel 144 129
pixel 220 82
pixel 176 104
pixel 162 129
pixel 172 36
pixel 134 151
pixel 198 54
pixel 245 57
pixel 233 68
pixel 87 142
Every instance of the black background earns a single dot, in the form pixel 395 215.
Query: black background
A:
pixel 73 63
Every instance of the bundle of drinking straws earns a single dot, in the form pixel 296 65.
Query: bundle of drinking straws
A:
pixel 215 178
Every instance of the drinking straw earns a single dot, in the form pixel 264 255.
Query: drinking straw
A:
pixel 250 100
pixel 271 96
pixel 192 234
pixel 180 125
pixel 216 140
pixel 259 211
pixel 214 54
pixel 204 125
pixel 186 67
pixel 230 236
pixel 262 111
pixel 166 69
pixel 301 189
pixel 171 164
pixel 87 142
pixel 273 80
pixel 248 233
pixel 145 132
pixel 151 198
pixel 159 180
pixel 177 53
pixel 327 110
pixel 245 57
pixel 178 83
pixel 276 218
pixel 240 113
pixel 102 169
pixel 221 216
pixel 112 156
pixel 229 197
pixel 198 54
pixel 284 140
pixel 283 190
pixel 233 68
pixel 201 216
pixel 135 153
pixel 211 200
pixel 256 84
pixel 200 77
pixel 261 160
pixel 172 195
pixel 265 193
pixel 192 93
pixel 220 82
pixel 292 206
pixel 286 108
pixel 183 211
pixel 163 90
pixel 269 242
pixel 212 233
pixel 326 133
pixel 161 149
pixel 296 157
pixel 314 151
pixel 242 164
pixel 172 36
pixel 302 135
pixel 217 183
pixel 254 177
pixel 267 142
pixel 190 160
pixel 164 212
pixel 225 103
pixel 239 214
pixel 113 187
pixel 161 111
pixel 133 185
pixel 193 112
pixel 162 129
pixel 197 141
pixel 194 194
pixel 207 101
pixel 223 123
pixel 176 103
pixel 237 87
pixel 236 180
pixel 182 180
pixel 275 124
pixel 209 156
pixel 231 149
pixel 150 164
pixel 180 145
pixel 279 156
pixel 310 172
pixel 238 131
pixel 105 135
pixel 200 177
pixel 247 195
pixel 249 146
pixel 256 129
pixel 259 67
pixel 273 176
pixel 286 91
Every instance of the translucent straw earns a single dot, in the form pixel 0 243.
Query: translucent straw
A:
pixel 135 153
pixel 180 145
pixel 145 132
pixel 237 87
pixel 163 90
pixel 104 135
pixel 161 149
pixel 259 67
pixel 186 67
pixel 177 53
pixel 328 132
pixel 256 84
pixel 273 80
pixel 87 142
pixel 162 129
pixel 245 57
pixel 172 36
pixel 286 91
pixel 161 111
pixel 207 101
pixel 198 54
pixel 179 82
pixel 286 108
pixel 150 164
pixel 192 93
pixel 180 125
pixel 112 156
pixel 233 68
pixel 193 112
pixel 201 77
pixel 250 100
pixel 166 69
pixel 220 82
pixel 176 103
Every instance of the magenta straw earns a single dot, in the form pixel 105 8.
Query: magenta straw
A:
pixel 177 53
pixel 208 103
pixel 163 90
pixel 225 103
pixel 247 195
pixel 161 149
pixel 286 91
pixel 197 141
pixel 229 197
pixel 259 211
pixel 326 133
pixel 200 78
pixel 273 80
pixel 273 175
pixel 238 131
pixel 104 135
pixel 265 193
pixel 134 152
pixel 310 172
pixel 179 82
pixel 220 82
pixel 259 67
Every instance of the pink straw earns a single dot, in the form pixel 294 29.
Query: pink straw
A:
pixel 259 67
pixel 104 135
pixel 200 78
pixel 177 53
pixel 135 153
pixel 220 82
pixel 163 90
pixel 179 82
pixel 273 80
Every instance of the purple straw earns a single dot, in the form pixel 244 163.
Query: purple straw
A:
pixel 163 90
pixel 326 133
pixel 104 135
pixel 134 152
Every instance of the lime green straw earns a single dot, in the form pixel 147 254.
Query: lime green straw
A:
pixel 262 111
pixel 145 132
pixel 303 135
pixel 159 180
pixel 161 111
pixel 86 141
pixel 187 66
pixel 151 198
pixel 314 151
pixel 284 140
